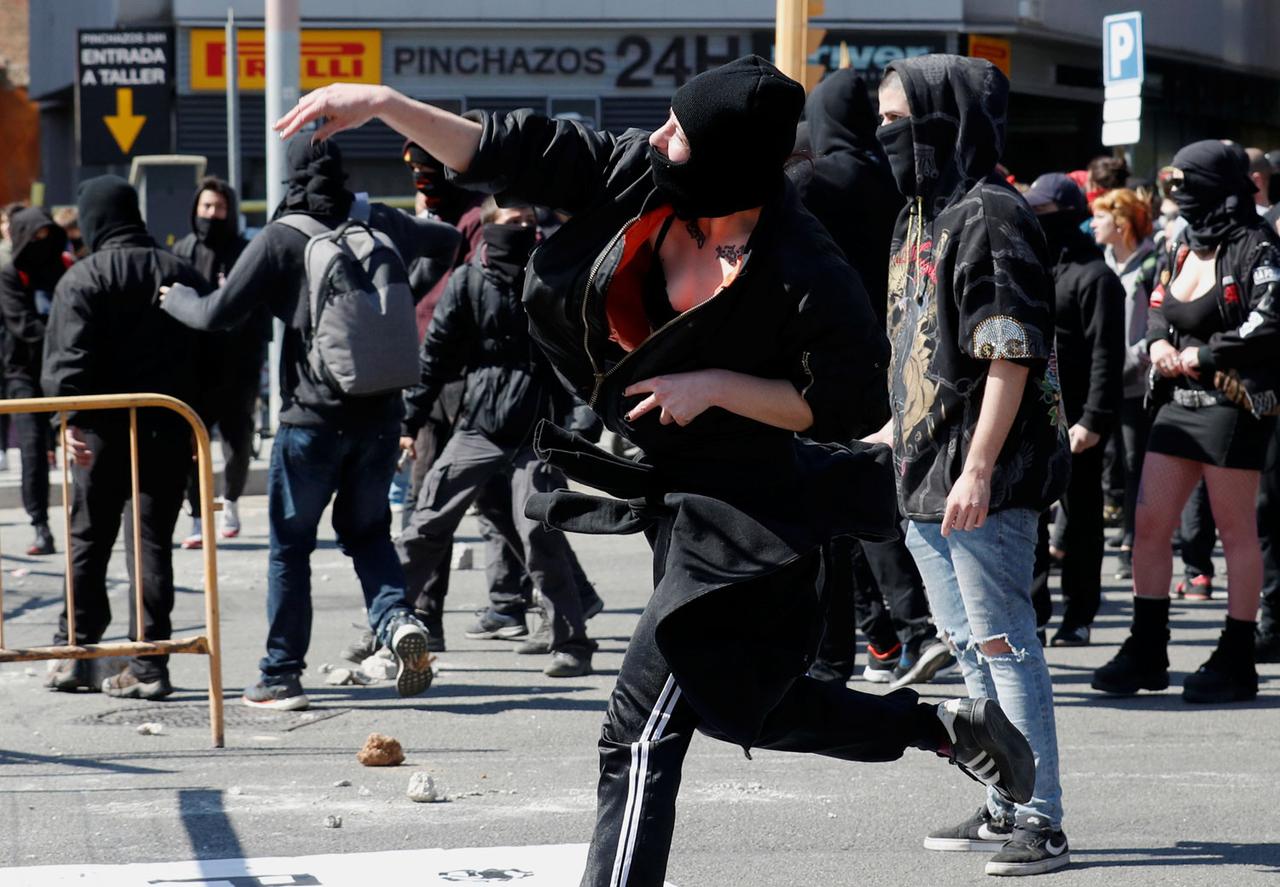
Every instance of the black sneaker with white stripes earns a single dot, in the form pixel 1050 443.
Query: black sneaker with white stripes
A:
pixel 1035 848
pixel 981 831
pixel 988 748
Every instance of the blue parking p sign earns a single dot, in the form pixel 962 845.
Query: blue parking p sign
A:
pixel 1122 49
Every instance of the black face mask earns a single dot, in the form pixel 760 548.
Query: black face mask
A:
pixel 507 248
pixel 709 187
pixel 216 234
pixel 1061 229
pixel 39 256
pixel 900 145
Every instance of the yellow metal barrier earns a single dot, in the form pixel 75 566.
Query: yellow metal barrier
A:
pixel 208 644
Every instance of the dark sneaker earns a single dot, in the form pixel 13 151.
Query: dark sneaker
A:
pixel 282 694
pixel 1124 569
pixel 1197 588
pixel 361 649
pixel 1035 848
pixel 1071 637
pixel 880 666
pixel 539 640
pixel 920 668
pixel 1131 671
pixel 413 661
pixel 434 626
pixel 496 626
pixel 988 748
pixel 568 665
pixel 127 685
pixel 981 831
pixel 43 542
pixel 1220 681
pixel 1266 647
pixel 592 606
pixel 824 671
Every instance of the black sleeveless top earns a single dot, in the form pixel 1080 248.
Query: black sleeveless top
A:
pixel 1194 322
pixel 657 304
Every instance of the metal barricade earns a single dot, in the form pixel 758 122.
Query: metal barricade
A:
pixel 208 644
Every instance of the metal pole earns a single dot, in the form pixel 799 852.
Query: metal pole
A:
pixel 233 103
pixel 283 68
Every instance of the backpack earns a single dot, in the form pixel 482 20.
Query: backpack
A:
pixel 364 336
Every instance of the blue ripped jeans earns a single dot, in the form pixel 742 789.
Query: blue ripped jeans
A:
pixel 979 588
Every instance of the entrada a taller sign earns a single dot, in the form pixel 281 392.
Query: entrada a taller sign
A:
pixel 124 94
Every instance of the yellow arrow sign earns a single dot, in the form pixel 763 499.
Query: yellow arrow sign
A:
pixel 124 125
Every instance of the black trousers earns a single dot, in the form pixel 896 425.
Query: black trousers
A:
pixel 231 411
pixel 468 462
pixel 1269 537
pixel 101 495
pixel 649 725
pixel 35 440
pixel 1081 540
pixel 1199 534
pixel 1135 424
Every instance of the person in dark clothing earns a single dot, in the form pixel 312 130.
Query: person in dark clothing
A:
pixel 1214 328
pixel 480 333
pixel 708 318
pixel 328 446
pixel 107 335
pixel 233 358
pixel 979 435
pixel 27 283
pixel 1090 343
pixel 1267 641
pixel 1197 538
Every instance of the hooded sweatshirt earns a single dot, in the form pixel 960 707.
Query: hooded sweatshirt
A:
pixel 272 271
pixel 969 283
pixel 847 184
pixel 106 332
pixel 27 283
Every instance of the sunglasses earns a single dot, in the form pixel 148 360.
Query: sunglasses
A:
pixel 1170 180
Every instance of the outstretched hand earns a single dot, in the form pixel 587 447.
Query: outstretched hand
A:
pixel 343 105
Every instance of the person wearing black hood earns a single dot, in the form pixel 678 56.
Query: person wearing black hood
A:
pixel 709 319
pixel 107 335
pixel 327 446
pixel 27 282
pixel 479 333
pixel 979 433
pixel 1213 334
pixel 1090 343
pixel 233 358
pixel 849 187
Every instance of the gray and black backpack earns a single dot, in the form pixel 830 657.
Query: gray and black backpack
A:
pixel 364 337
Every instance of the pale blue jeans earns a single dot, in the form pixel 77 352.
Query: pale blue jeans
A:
pixel 979 588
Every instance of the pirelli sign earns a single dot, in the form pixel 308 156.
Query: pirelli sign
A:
pixel 327 56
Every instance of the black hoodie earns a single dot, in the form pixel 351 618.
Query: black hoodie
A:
pixel 847 184
pixel 106 333
pixel 968 283
pixel 26 292
pixel 272 271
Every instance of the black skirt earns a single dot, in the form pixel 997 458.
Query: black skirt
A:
pixel 1221 435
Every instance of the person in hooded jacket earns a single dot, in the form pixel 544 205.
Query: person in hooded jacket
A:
pixel 979 433
pixel 1214 327
pixel 27 283
pixel 874 586
pixel 327 446
pixel 107 335
pixel 709 319
pixel 479 333
pixel 233 358
pixel 1090 342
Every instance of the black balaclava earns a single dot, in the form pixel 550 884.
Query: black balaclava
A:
pixel 507 249
pixel 740 120
pixel 900 146
pixel 445 199
pixel 316 177
pixel 217 234
pixel 1216 193
pixel 108 208
pixel 40 259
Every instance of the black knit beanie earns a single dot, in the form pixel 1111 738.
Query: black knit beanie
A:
pixel 740 120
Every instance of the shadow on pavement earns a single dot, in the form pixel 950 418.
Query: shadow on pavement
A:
pixel 18 757
pixel 208 828
pixel 1265 856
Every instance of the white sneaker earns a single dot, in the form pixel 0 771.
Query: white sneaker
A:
pixel 4 460
pixel 229 520
pixel 196 539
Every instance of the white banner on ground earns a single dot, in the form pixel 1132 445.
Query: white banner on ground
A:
pixel 553 865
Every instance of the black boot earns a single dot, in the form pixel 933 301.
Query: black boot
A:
pixel 42 543
pixel 1229 675
pixel 1143 660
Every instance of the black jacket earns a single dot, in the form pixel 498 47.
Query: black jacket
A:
pixel 1090 336
pixel 969 283
pixel 25 297
pixel 107 334
pixel 1241 362
pixel 479 332
pixel 272 271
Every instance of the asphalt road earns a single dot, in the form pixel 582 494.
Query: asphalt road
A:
pixel 1156 792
